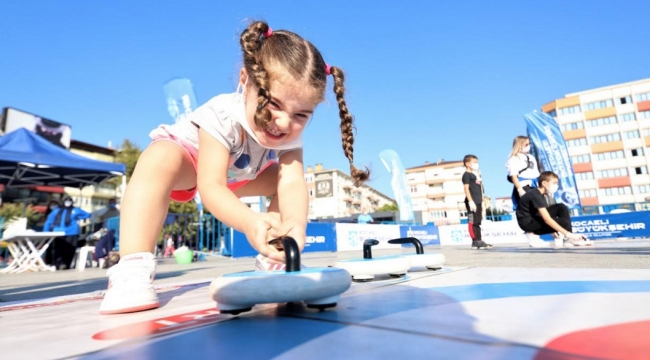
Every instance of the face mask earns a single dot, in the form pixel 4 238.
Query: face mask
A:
pixel 553 188
pixel 525 149
pixel 475 166
pixel 67 203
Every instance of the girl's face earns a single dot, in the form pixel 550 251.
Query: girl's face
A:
pixel 291 105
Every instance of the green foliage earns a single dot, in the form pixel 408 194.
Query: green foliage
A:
pixel 128 155
pixel 493 211
pixel 9 211
pixel 388 208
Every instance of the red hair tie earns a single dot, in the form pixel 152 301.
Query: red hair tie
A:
pixel 328 69
pixel 268 32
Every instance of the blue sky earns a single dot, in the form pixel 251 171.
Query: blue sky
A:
pixel 429 79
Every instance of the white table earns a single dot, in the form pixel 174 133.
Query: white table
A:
pixel 27 249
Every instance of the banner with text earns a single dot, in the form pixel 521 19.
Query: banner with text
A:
pixel 320 237
pixel 428 235
pixel 351 236
pixel 498 232
pixel 609 226
pixel 546 136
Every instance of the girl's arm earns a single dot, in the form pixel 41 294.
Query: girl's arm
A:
pixel 212 183
pixel 292 201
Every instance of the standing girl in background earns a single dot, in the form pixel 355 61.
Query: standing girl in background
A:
pixel 248 143
pixel 523 173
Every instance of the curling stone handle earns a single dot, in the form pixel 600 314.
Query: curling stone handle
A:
pixel 409 240
pixel 292 253
pixel 367 253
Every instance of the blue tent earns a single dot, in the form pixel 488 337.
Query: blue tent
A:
pixel 27 159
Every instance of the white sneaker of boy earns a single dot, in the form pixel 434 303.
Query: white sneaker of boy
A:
pixel 130 285
pixel 535 241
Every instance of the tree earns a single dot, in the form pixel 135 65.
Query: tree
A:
pixel 9 211
pixel 128 155
pixel 389 208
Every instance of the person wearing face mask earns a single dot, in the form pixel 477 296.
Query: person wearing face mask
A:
pixel 522 169
pixel 536 217
pixel 65 219
pixel 473 201
pixel 111 212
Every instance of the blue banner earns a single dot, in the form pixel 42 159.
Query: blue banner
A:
pixel 393 164
pixel 428 235
pixel 611 226
pixel 546 137
pixel 320 237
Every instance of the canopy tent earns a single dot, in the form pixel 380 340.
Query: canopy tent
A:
pixel 27 159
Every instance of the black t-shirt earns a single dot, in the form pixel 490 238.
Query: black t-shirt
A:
pixel 528 205
pixel 474 187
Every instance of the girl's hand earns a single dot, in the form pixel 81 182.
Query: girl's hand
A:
pixel 292 229
pixel 257 233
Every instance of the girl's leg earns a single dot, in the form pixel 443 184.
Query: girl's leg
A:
pixel 161 168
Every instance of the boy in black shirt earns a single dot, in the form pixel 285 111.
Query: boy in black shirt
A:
pixel 536 217
pixel 473 201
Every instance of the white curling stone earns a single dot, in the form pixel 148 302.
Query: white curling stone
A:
pixel 368 268
pixel 312 285
pixel 430 260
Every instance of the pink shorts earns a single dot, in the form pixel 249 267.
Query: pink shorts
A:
pixel 193 155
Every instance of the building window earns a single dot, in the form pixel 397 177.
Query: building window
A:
pixel 570 110
pixel 627 117
pixel 623 190
pixel 645 132
pixel 580 159
pixel 437 214
pixel 611 173
pixel 586 193
pixel 643 97
pixel 610 155
pixel 636 152
pixel 642 189
pixel 600 104
pixel 576 142
pixel 572 126
pixel 311 192
pixel 632 134
pixel 414 189
pixel 553 113
pixel 584 175
pixel 642 170
pixel 645 114
pixel 602 121
pixel 605 138
pixel 625 100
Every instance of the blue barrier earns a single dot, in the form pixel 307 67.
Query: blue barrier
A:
pixel 203 233
pixel 320 237
pixel 611 226
pixel 428 235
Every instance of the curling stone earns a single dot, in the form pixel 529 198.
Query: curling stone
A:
pixel 431 261
pixel 365 269
pixel 319 288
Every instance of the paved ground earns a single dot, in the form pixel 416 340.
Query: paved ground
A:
pixel 630 254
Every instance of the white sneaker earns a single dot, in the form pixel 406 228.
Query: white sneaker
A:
pixel 535 241
pixel 130 285
pixel 585 242
pixel 559 240
pixel 261 264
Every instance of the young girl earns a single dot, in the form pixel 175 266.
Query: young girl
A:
pixel 228 149
pixel 522 168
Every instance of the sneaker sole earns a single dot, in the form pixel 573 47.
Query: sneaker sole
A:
pixel 130 309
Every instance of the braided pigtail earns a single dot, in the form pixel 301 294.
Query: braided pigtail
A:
pixel 347 126
pixel 251 41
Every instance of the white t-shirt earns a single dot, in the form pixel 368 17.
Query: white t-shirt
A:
pixel 523 161
pixel 224 117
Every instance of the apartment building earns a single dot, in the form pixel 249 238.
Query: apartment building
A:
pixel 94 197
pixel 437 192
pixel 332 194
pixel 607 131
